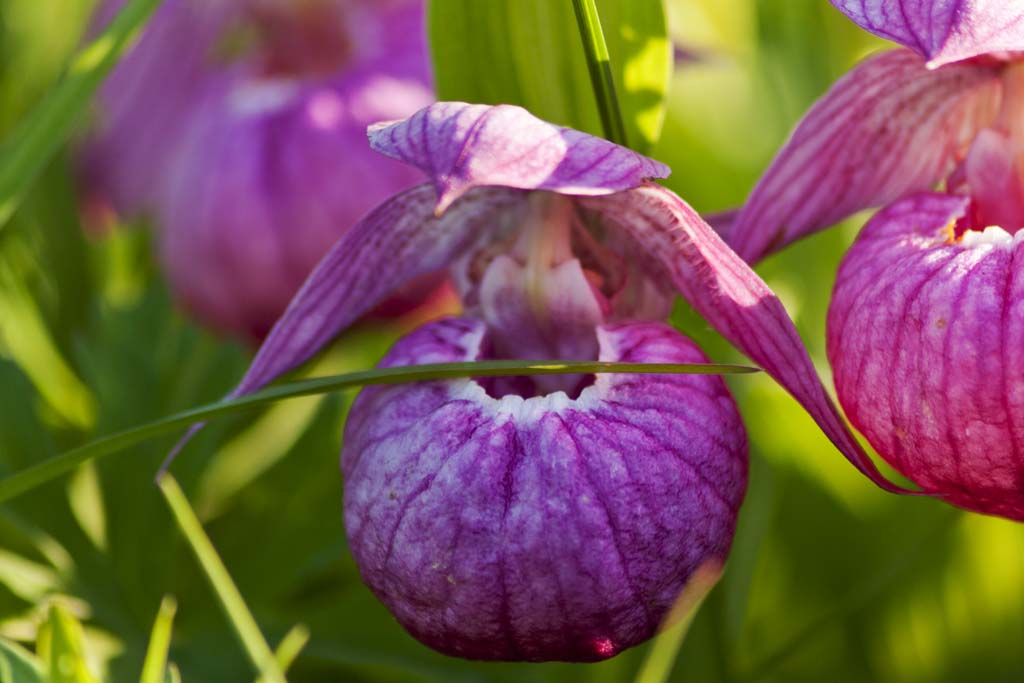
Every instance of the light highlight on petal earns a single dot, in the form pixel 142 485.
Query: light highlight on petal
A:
pixel 942 31
pixel 461 146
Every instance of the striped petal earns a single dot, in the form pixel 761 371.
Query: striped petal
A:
pixel 887 128
pixel 942 31
pixel 732 298
pixel 545 528
pixel 399 240
pixel 461 146
pixel 923 336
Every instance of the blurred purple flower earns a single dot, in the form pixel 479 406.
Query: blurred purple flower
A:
pixel 557 518
pixel 927 307
pixel 240 124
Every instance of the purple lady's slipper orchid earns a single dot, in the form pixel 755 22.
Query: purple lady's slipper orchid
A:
pixel 545 527
pixel 926 305
pixel 556 518
pixel 247 140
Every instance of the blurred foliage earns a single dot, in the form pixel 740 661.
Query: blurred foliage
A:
pixel 829 578
pixel 513 53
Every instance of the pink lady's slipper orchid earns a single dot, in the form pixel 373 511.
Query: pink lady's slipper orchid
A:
pixel 929 303
pixel 557 518
pixel 241 125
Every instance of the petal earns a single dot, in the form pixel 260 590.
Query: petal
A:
pixel 144 105
pixel 399 240
pixel 942 31
pixel 461 146
pixel 257 195
pixel 541 528
pixel 994 179
pixel 553 318
pixel 887 128
pixel 923 335
pixel 733 299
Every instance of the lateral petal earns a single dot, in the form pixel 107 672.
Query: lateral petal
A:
pixel 887 128
pixel 733 299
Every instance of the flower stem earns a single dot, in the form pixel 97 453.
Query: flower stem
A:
pixel 47 470
pixel 600 70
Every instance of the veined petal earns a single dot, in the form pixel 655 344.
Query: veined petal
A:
pixel 461 146
pixel 923 334
pixel 942 31
pixel 545 528
pixel 399 240
pixel 889 127
pixel 730 296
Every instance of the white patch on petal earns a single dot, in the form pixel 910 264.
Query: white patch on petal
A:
pixel 524 411
pixel 252 98
pixel 993 235
pixel 326 110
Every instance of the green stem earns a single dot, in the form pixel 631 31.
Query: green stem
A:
pixel 50 123
pixel 49 469
pixel 230 598
pixel 600 67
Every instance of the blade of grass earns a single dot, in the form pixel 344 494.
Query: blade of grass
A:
pixel 51 468
pixel 662 655
pixel 230 598
pixel 154 667
pixel 600 65
pixel 289 648
pixel 61 647
pixel 49 124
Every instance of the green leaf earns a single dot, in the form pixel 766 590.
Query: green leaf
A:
pixel 48 126
pixel 529 52
pixel 51 468
pixel 154 668
pixel 29 342
pixel 230 598
pixel 599 63
pixel 290 647
pixel 662 654
pixel 61 648
pixel 18 665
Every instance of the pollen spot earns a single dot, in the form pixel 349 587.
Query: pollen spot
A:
pixel 950 232
pixel 940 323
pixel 450 579
pixel 603 647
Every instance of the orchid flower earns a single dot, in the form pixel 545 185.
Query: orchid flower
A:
pixel 556 518
pixel 927 307
pixel 245 137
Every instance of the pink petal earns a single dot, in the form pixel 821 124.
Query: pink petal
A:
pixel 994 179
pixel 462 146
pixel 730 296
pixel 923 334
pixel 399 240
pixel 887 128
pixel 942 31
